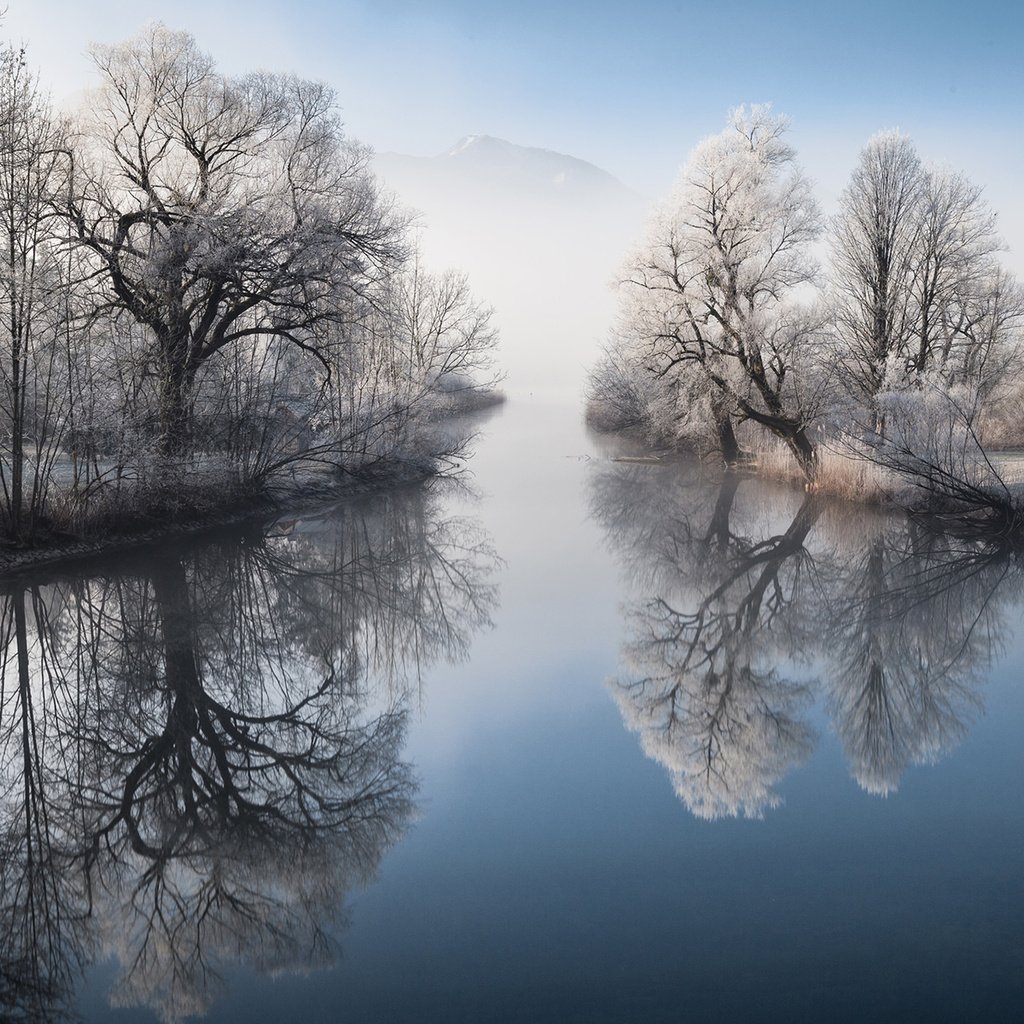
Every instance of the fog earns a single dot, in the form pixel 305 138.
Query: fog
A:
pixel 541 236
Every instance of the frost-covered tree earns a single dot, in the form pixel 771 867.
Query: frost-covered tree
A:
pixel 35 334
pixel 920 296
pixel 709 299
pixel 445 336
pixel 218 209
pixel 415 347
pixel 873 240
pixel 203 274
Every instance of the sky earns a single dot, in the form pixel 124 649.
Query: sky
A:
pixel 629 86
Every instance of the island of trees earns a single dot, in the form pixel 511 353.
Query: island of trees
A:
pixel 207 300
pixel 878 353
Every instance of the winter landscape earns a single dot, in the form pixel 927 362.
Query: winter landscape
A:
pixel 511 515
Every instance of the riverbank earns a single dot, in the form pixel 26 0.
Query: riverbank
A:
pixel 187 520
pixel 961 490
pixel 189 503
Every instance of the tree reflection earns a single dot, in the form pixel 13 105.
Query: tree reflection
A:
pixel 914 620
pixel 42 906
pixel 208 746
pixel 705 691
pixel 748 596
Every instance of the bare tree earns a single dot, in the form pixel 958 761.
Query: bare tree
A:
pixel 874 239
pixel 957 240
pixel 416 347
pixel 710 292
pixel 919 293
pixel 221 209
pixel 447 337
pixel 34 362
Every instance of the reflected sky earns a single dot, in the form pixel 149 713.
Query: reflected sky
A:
pixel 550 850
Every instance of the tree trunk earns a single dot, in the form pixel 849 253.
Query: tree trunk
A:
pixel 17 447
pixel 879 422
pixel 175 404
pixel 803 448
pixel 727 442
pixel 792 431
pixel 718 529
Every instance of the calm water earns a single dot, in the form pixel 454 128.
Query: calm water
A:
pixel 581 741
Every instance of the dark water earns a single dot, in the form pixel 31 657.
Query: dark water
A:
pixel 601 742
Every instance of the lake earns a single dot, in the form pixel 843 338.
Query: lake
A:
pixel 568 739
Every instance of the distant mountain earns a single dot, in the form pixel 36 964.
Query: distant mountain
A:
pixel 486 164
pixel 541 234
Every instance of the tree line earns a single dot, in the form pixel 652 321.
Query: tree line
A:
pixel 203 289
pixel 891 330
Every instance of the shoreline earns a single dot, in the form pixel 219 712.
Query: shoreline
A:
pixel 317 490
pixel 17 561
pixel 993 514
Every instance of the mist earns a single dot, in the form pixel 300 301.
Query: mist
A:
pixel 541 236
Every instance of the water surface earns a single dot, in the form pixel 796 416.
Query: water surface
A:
pixel 586 740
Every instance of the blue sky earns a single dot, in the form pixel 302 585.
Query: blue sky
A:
pixel 631 87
